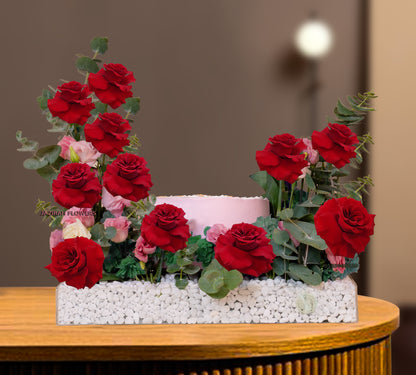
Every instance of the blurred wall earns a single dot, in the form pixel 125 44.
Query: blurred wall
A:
pixel 216 78
pixel 393 60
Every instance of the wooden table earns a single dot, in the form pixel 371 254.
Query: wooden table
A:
pixel 31 343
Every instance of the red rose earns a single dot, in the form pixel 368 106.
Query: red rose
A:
pixel 76 185
pixel 166 227
pixel 335 144
pixel 282 158
pixel 77 261
pixel 108 133
pixel 71 103
pixel 111 84
pixel 345 225
pixel 128 176
pixel 245 248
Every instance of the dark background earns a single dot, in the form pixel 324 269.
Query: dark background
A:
pixel 216 79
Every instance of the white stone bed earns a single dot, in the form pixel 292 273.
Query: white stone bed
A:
pixel 254 301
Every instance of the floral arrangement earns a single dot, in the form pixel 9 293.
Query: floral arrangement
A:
pixel 107 226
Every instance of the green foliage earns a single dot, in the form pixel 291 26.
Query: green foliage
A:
pixel 99 45
pixel 270 186
pixel 134 145
pixel 183 261
pixel 138 210
pixel 86 64
pixel 98 234
pixel 27 145
pixel 99 108
pixel 113 259
pixel 354 189
pixel 216 281
pixel 58 125
pixel 129 268
pixel 49 213
pixel 269 224
pixel 132 105
pixel 43 99
pixel 305 274
pixel 305 233
pixel 356 111
pixel 205 250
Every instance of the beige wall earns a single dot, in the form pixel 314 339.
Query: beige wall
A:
pixel 393 77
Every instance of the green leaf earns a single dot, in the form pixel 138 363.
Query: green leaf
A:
pixel 86 64
pixel 99 108
pixel 110 277
pixel 49 153
pixel 305 233
pixel 232 279
pixel 284 251
pixel 269 224
pixel 132 105
pixel 180 283
pixel 285 214
pixel 314 256
pixel 318 200
pixel 341 109
pixel 173 268
pixel 98 234
pixel 182 262
pixel 27 145
pixel 48 172
pixel 110 232
pixel 299 212
pixel 129 268
pixel 305 274
pixel 211 282
pixel 279 266
pixel 270 186
pixel 309 182
pixel 99 45
pixel 220 294
pixel 192 269
pixel 280 236
pixel 34 163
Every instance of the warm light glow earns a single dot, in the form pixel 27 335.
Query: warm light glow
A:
pixel 314 39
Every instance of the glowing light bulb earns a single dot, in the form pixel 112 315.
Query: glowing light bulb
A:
pixel 314 39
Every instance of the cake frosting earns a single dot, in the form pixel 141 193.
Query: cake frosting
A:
pixel 207 210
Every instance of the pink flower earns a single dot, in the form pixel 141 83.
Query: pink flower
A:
pixel 114 204
pixel 335 260
pixel 55 238
pixel 215 231
pixel 86 152
pixel 85 215
pixel 122 225
pixel 281 227
pixel 143 249
pixel 311 153
pixel 65 142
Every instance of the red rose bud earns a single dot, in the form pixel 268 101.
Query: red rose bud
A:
pixel 128 177
pixel 77 261
pixel 345 225
pixel 166 227
pixel 111 84
pixel 71 103
pixel 335 144
pixel 282 158
pixel 76 185
pixel 245 248
pixel 108 133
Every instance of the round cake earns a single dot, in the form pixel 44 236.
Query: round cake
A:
pixel 207 210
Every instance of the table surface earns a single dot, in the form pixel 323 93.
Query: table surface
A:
pixel 28 332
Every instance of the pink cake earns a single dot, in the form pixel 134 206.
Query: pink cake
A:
pixel 207 210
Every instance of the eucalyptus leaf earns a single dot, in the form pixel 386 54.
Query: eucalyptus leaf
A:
pixel 99 45
pixel 309 182
pixel 280 236
pixel 173 268
pixel 305 233
pixel 284 252
pixel 211 282
pixel 48 172
pixel 191 269
pixel 279 266
pixel 35 163
pixel 110 232
pixel 132 105
pixel 86 64
pixel 220 294
pixel 181 283
pixel 233 279
pixel 285 214
pixel 305 274
pixel 49 153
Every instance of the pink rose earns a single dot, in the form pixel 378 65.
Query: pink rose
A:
pixel 335 260
pixel 86 152
pixel 85 215
pixel 65 142
pixel 281 227
pixel 114 204
pixel 55 238
pixel 143 249
pixel 311 153
pixel 122 225
pixel 215 231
